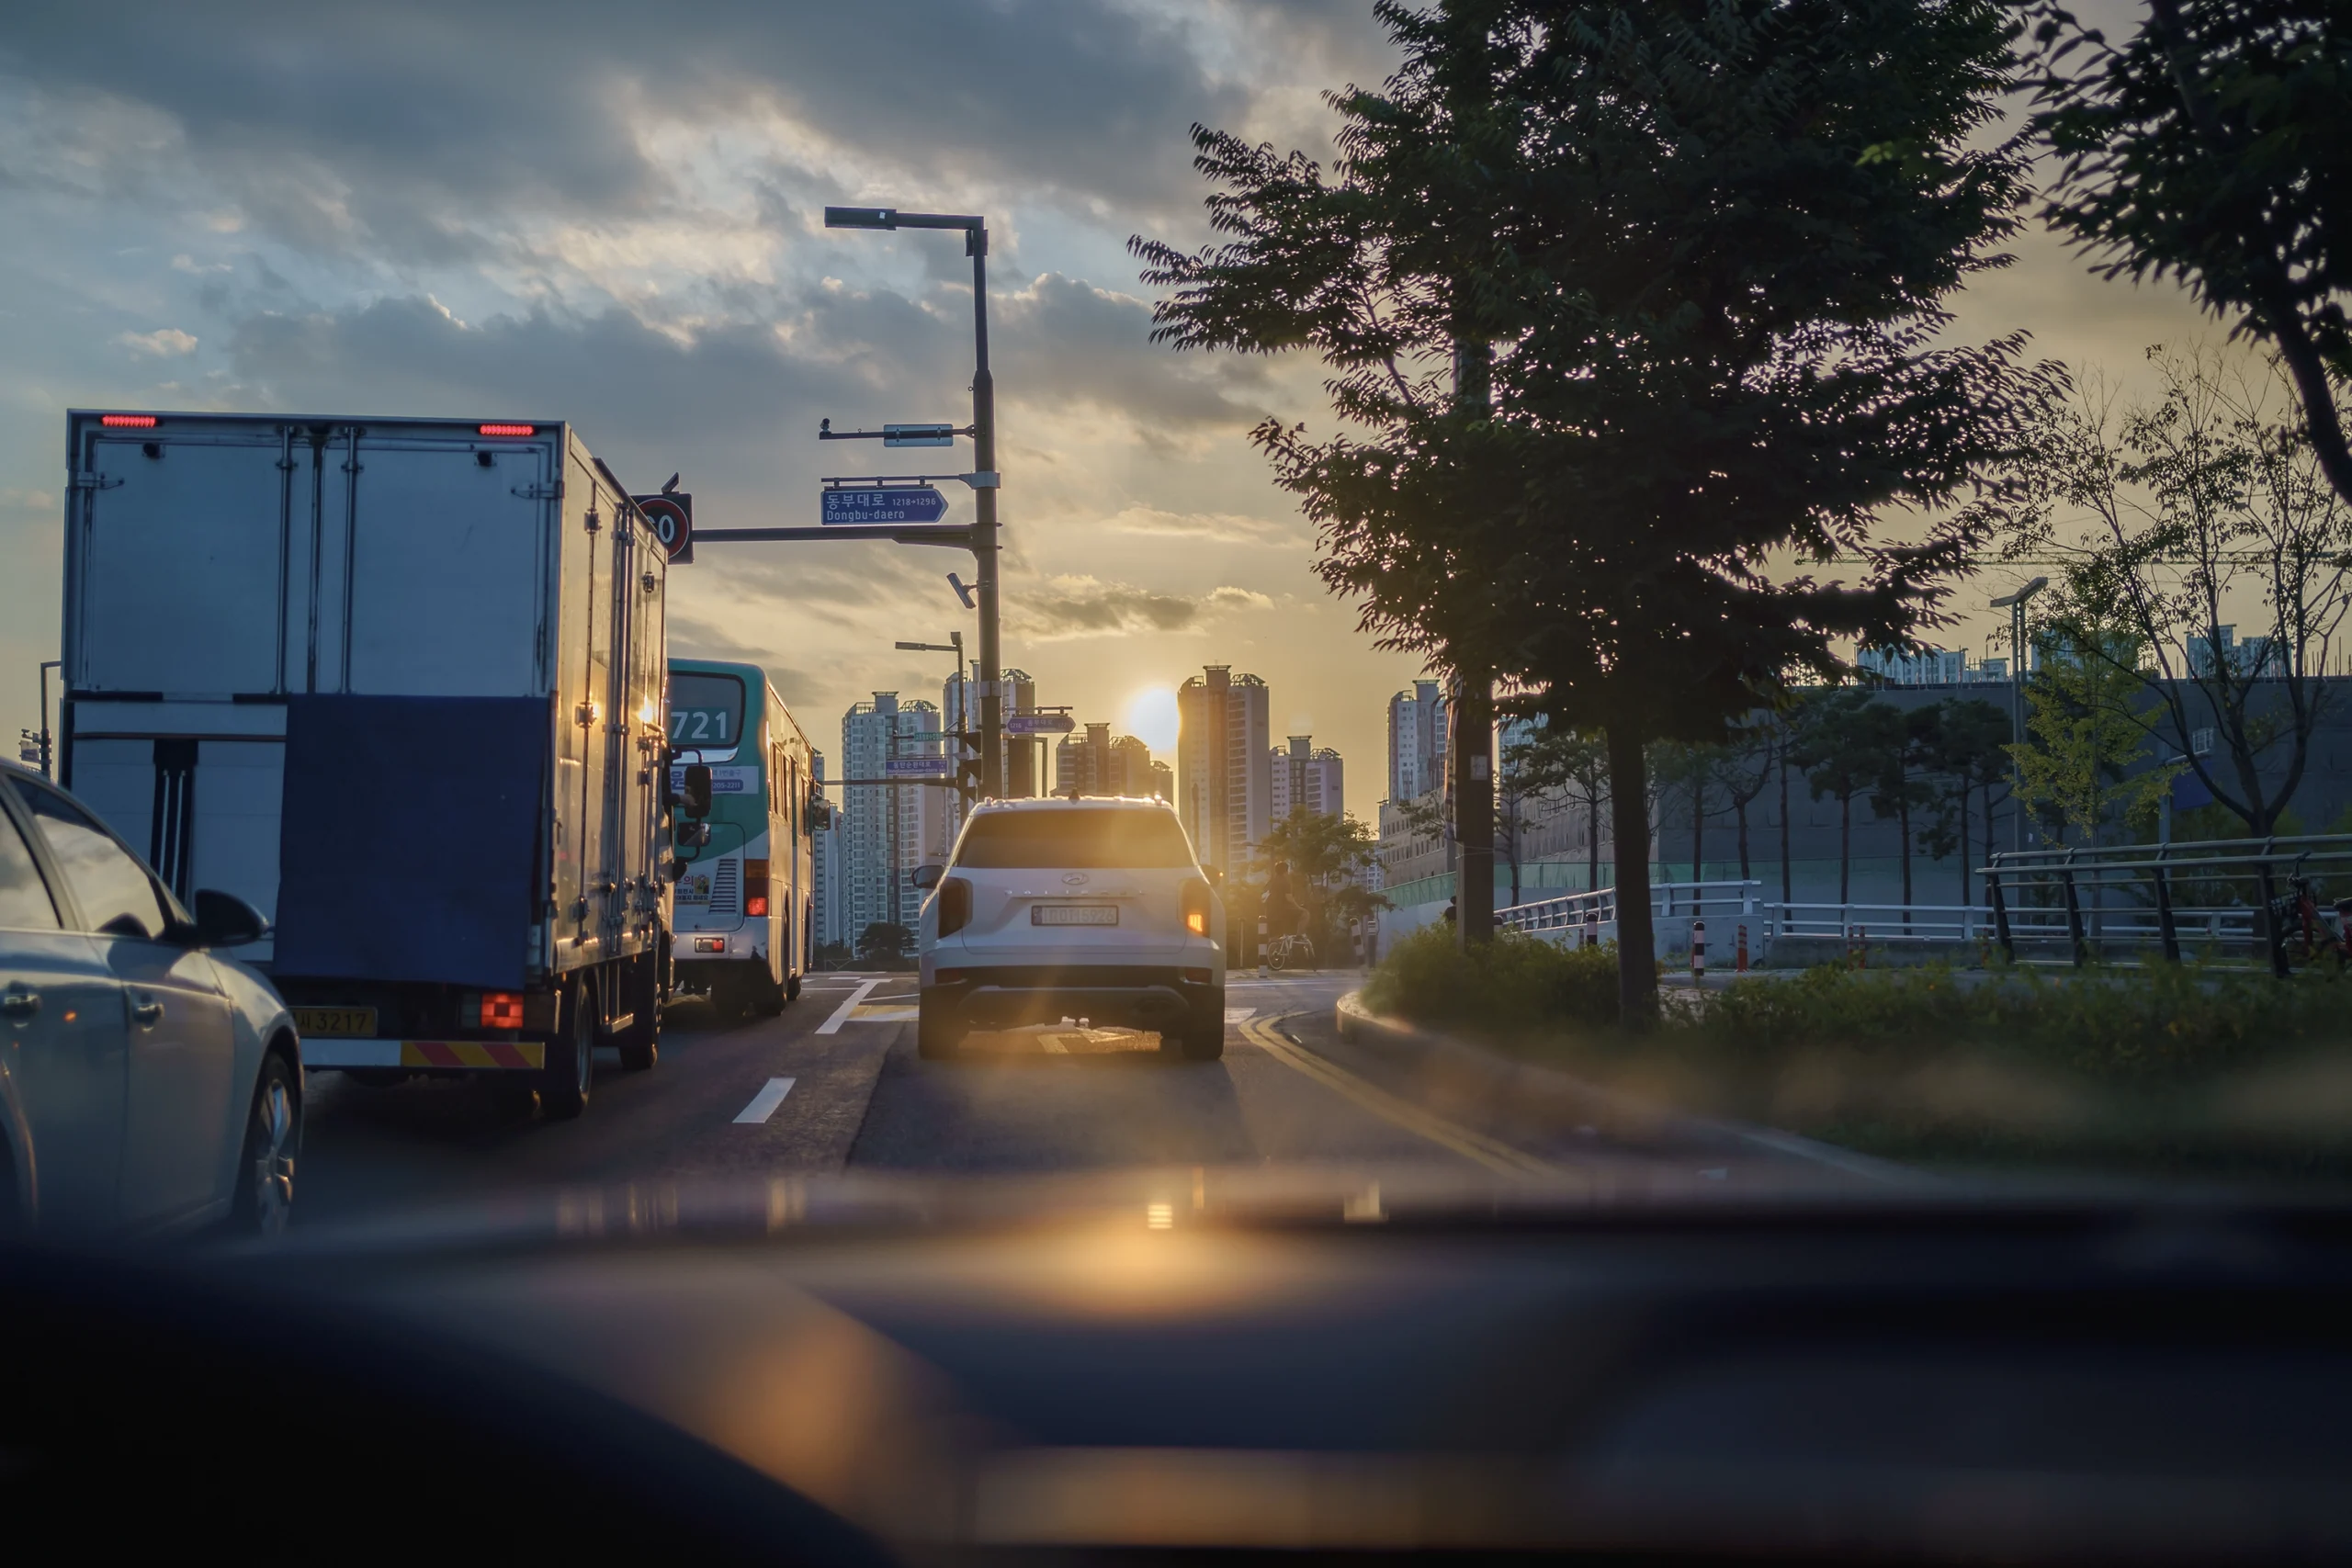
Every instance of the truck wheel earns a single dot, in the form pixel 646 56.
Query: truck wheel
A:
pixel 768 995
pixel 792 989
pixel 1203 1039
pixel 565 1080
pixel 937 1032
pixel 640 1042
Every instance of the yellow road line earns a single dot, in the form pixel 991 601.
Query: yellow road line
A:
pixel 1476 1147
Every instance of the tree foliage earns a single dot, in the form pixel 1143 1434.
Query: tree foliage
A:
pixel 2214 145
pixel 1692 255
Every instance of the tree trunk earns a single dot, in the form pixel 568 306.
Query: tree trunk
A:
pixel 1903 821
pixel 1592 843
pixel 1636 945
pixel 1987 787
pixel 1743 874
pixel 1474 808
pixel 1785 895
pixel 1964 843
pixel 1844 846
pixel 1698 827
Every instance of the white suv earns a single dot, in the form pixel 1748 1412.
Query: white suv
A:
pixel 1073 908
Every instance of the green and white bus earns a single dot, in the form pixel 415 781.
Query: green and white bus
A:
pixel 743 908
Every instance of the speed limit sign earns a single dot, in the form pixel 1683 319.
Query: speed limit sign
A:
pixel 673 516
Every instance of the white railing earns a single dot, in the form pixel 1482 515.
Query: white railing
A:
pixel 1577 918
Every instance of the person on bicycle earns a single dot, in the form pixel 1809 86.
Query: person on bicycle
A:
pixel 1281 909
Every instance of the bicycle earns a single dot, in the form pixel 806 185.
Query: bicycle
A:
pixel 2299 908
pixel 1289 952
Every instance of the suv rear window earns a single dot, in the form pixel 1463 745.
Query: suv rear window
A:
pixel 1012 840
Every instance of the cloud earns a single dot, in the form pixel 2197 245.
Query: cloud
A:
pixel 163 343
pixel 1065 607
pixel 1219 527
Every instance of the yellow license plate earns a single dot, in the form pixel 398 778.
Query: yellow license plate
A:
pixel 323 1022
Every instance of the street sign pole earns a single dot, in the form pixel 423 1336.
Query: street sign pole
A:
pixel 984 536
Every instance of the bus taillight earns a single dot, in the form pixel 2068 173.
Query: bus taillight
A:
pixel 755 889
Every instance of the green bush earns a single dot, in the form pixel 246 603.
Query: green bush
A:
pixel 1514 983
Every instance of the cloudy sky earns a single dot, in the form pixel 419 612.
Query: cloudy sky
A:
pixel 610 213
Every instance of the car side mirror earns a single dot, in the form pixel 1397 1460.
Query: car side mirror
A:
pixel 697 792
pixel 223 920
pixel 927 876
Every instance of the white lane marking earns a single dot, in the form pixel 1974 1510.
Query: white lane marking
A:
pixel 1237 1015
pixel 841 1014
pixel 881 1012
pixel 763 1103
pixel 1053 1043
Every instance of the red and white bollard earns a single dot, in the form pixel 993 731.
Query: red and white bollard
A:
pixel 1592 925
pixel 1743 951
pixel 1698 950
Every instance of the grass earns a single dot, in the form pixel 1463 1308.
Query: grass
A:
pixel 2168 1069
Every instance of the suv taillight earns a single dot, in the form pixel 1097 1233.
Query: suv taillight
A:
pixel 955 897
pixel 1197 907
pixel 755 888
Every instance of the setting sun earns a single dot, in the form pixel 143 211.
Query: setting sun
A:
pixel 1150 718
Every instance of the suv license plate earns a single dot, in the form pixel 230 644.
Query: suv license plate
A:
pixel 1074 914
pixel 331 1023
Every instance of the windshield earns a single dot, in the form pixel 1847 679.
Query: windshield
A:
pixel 1081 839
pixel 706 711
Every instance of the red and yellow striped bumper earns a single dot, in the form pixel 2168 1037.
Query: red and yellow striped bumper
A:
pixel 487 1056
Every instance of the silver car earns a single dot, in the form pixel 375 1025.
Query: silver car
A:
pixel 147 1083
pixel 1054 908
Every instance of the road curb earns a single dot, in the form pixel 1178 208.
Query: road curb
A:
pixel 1359 1025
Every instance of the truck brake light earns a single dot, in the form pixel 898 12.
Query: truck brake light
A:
pixel 502 1009
pixel 128 421
pixel 755 888
pixel 493 429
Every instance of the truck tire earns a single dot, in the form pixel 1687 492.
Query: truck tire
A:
pixel 568 1072
pixel 792 988
pixel 937 1034
pixel 768 995
pixel 640 1042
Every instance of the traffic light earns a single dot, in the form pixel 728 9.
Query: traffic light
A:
pixel 1021 755
pixel 968 771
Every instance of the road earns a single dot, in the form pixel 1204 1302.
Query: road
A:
pixel 834 1085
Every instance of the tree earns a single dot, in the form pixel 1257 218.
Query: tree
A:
pixel 1572 764
pixel 884 942
pixel 2188 513
pixel 2215 146
pixel 1750 759
pixel 1326 853
pixel 1910 743
pixel 1692 252
pixel 1841 743
pixel 1973 757
pixel 2083 732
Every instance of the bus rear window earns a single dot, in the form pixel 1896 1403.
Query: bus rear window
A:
pixel 1081 837
pixel 706 711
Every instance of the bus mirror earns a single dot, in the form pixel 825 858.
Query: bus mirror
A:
pixel 697 794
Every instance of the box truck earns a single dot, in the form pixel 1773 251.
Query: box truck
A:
pixel 399 683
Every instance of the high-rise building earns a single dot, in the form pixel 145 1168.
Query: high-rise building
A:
pixel 1303 776
pixel 824 849
pixel 1224 772
pixel 888 830
pixel 1415 741
pixel 960 707
pixel 1094 763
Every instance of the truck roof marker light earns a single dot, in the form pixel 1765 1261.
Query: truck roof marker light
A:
pixel 128 421
pixel 499 429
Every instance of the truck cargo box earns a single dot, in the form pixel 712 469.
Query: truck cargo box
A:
pixel 397 681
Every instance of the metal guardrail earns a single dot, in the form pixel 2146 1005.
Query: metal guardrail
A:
pixel 1592 917
pixel 2226 893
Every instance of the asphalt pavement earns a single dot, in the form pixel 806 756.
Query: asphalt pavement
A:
pixel 833 1083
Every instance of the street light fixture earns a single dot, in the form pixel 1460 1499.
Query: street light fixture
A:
pixel 2014 603
pixel 984 534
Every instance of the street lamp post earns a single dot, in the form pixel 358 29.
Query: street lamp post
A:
pixel 2015 605
pixel 984 534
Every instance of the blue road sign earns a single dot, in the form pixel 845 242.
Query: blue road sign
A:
pixel 1039 724
pixel 895 504
pixel 917 767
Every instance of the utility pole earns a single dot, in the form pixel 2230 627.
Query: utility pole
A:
pixel 2015 605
